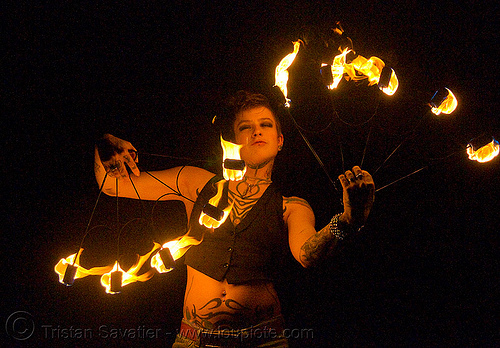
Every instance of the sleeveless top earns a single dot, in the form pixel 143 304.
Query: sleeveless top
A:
pixel 249 251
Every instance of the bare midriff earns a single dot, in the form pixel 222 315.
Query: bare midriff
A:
pixel 212 304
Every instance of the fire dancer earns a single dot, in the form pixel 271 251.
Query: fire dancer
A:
pixel 230 298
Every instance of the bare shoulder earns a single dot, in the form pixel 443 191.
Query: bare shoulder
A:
pixel 193 179
pixel 295 204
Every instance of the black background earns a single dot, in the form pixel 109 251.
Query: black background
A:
pixel 425 271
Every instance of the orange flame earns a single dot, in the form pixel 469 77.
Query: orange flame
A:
pixel 447 106
pixel 361 68
pixel 131 275
pixel 338 67
pixel 60 267
pixel 281 72
pixel 232 151
pixel 485 153
pixel 371 68
pixel 177 247
pixel 210 222
pixel 393 84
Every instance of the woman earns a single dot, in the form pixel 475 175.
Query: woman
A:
pixel 230 297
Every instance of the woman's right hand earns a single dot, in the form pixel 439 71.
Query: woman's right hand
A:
pixel 115 153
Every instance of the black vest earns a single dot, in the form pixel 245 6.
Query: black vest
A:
pixel 252 250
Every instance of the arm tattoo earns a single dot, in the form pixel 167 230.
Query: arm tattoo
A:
pixel 296 200
pixel 317 246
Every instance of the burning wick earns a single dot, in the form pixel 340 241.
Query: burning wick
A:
pixel 116 282
pixel 212 215
pixel 388 82
pixel 234 164
pixel 163 260
pixel 68 269
pixel 167 259
pixel 113 280
pixel 485 153
pixel 385 77
pixel 69 275
pixel 443 101
pixel 71 262
pixel 213 211
pixel 234 167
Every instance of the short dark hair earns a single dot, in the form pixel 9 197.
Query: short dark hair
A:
pixel 236 104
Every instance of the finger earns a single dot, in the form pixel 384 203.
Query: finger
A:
pixel 125 159
pixel 135 156
pixel 343 181
pixel 123 169
pixel 369 183
pixel 350 176
pixel 368 179
pixel 358 173
pixel 130 149
pixel 131 164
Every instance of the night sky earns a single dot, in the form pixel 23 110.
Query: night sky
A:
pixel 423 273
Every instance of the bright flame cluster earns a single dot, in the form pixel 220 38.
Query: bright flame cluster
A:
pixel 177 249
pixel 130 276
pixel 359 69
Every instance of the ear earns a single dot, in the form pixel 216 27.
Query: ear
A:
pixel 281 140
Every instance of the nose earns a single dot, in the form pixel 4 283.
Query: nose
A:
pixel 257 131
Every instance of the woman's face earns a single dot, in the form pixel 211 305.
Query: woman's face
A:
pixel 256 129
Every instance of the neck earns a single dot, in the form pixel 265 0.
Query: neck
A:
pixel 260 171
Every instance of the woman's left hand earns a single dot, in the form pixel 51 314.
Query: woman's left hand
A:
pixel 358 196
